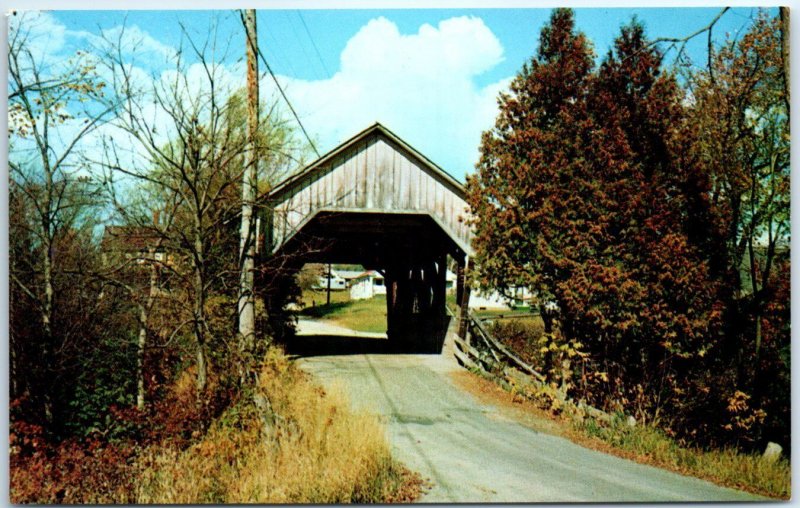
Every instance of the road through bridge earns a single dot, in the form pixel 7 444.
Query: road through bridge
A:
pixel 474 452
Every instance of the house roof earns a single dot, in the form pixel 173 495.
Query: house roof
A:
pixel 377 127
pixel 370 273
pixel 129 238
pixel 348 274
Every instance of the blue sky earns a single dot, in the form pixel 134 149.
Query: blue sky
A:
pixel 430 75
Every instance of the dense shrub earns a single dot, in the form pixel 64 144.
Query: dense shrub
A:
pixel 90 470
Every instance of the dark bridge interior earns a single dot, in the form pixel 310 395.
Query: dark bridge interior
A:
pixel 411 252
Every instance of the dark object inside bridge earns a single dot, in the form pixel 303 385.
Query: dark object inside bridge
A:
pixel 409 250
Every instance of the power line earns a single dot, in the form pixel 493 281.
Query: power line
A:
pixel 272 47
pixel 319 55
pixel 300 44
pixel 280 88
pixel 288 103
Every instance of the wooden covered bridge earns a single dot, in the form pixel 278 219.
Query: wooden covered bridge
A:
pixel 376 201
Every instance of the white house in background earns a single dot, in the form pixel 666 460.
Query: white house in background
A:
pixel 450 281
pixel 520 297
pixel 367 285
pixel 349 275
pixel 337 282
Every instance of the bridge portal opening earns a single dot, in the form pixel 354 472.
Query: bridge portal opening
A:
pixel 376 202
pixel 406 255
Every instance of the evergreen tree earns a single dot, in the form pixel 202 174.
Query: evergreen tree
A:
pixel 522 183
pixel 582 195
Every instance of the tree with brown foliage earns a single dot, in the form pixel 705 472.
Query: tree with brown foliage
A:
pixel 657 221
pixel 738 131
pixel 582 195
pixel 666 319
pixel 523 175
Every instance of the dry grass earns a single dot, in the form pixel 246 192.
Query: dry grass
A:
pixel 317 451
pixel 728 467
pixel 512 405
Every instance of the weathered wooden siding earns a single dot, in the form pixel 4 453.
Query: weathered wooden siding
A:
pixel 375 174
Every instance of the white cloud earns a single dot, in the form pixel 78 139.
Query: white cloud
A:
pixel 137 45
pixel 420 85
pixel 42 34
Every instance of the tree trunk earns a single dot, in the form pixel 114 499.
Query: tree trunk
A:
pixel 144 316
pixel 49 291
pixel 202 371
pixel 756 303
pixel 140 358
pixel 199 312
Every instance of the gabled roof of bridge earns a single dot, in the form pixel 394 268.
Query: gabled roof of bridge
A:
pixel 320 165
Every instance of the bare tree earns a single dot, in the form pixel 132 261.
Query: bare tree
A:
pixel 54 104
pixel 186 140
pixel 196 163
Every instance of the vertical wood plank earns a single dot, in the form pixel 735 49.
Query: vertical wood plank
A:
pixel 377 169
pixel 362 165
pixel 440 192
pixel 402 191
pixel 388 178
pixel 341 181
pixel 419 187
pixel 351 181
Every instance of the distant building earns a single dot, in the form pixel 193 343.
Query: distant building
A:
pixel 349 275
pixel 519 297
pixel 450 281
pixel 367 285
pixel 143 252
pixel 133 242
pixel 337 283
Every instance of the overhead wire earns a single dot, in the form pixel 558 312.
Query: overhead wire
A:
pixel 283 94
pixel 273 47
pixel 288 103
pixel 297 38
pixel 311 38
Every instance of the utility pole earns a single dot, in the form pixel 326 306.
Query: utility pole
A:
pixel 246 304
pixel 329 285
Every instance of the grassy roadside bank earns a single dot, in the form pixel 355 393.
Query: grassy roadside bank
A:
pixel 308 447
pixel 645 445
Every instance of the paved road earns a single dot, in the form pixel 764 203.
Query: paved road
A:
pixel 306 327
pixel 472 453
